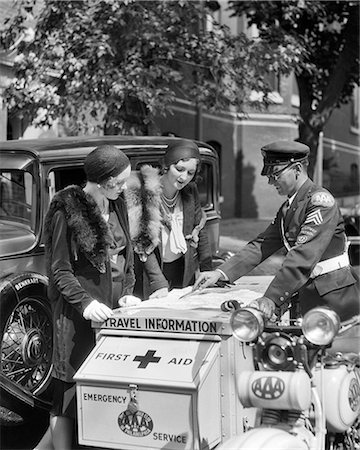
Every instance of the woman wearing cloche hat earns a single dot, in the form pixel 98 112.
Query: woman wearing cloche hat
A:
pixel 90 268
pixel 167 222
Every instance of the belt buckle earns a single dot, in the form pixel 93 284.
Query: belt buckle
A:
pixel 317 270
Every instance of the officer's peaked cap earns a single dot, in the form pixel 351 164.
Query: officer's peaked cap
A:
pixel 283 153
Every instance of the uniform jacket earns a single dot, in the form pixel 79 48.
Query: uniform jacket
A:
pixel 314 230
pixel 145 218
pixel 76 246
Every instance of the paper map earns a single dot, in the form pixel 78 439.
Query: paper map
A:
pixel 211 298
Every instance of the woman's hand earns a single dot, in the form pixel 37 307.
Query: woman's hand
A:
pixel 129 300
pixel 163 292
pixel 98 312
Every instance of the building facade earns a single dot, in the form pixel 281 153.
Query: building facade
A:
pixel 238 139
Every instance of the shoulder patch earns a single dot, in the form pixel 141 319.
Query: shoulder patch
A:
pixel 322 198
pixel 301 239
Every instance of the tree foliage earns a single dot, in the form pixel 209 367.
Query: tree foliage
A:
pixel 327 33
pixel 112 65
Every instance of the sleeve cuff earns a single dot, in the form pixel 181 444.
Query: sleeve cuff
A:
pixel 223 274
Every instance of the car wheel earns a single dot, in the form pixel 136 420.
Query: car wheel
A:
pixel 26 333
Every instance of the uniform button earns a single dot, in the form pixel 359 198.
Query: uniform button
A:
pixel 286 293
pixel 282 298
pixel 287 234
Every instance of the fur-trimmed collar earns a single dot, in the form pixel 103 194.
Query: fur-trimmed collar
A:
pixel 143 198
pixel 89 230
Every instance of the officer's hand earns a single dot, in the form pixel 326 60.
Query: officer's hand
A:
pixel 163 292
pixel 264 304
pixel 98 312
pixel 129 300
pixel 206 279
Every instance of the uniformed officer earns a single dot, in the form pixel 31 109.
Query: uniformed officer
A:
pixel 316 269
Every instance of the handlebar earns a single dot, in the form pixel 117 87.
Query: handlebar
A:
pixel 294 324
pixel 348 324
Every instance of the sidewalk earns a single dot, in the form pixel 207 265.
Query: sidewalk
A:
pixel 236 232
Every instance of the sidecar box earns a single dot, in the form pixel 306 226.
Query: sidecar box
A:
pixel 175 384
pixel 162 378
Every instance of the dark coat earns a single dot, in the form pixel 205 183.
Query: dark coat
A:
pixel 314 230
pixel 78 266
pixel 145 218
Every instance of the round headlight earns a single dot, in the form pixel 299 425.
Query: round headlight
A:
pixel 247 324
pixel 278 353
pixel 320 325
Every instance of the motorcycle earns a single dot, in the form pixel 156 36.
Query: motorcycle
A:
pixel 306 397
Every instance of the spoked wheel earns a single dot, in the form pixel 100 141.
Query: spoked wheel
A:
pixel 26 345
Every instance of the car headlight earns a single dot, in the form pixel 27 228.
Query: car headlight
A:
pixel 320 325
pixel 247 324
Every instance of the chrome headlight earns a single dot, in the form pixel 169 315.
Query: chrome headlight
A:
pixel 247 324
pixel 320 325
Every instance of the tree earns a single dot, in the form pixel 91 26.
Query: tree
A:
pixel 327 32
pixel 110 66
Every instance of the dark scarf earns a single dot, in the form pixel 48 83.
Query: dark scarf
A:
pixel 88 229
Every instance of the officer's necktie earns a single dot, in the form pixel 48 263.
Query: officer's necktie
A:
pixel 285 208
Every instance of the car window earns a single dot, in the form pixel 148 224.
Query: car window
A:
pixel 205 185
pixel 17 196
pixel 60 177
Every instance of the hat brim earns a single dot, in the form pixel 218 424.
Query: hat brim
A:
pixel 268 168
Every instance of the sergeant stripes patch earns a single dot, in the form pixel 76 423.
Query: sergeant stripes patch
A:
pixel 315 218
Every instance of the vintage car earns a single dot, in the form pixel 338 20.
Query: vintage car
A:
pixel 31 172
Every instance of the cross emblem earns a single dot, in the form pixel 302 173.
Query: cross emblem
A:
pixel 147 359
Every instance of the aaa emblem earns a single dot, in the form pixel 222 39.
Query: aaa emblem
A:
pixel 268 388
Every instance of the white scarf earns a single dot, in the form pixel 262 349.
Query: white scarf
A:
pixel 174 241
